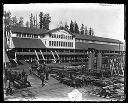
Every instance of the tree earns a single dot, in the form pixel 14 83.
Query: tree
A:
pixel 82 29
pixel 47 20
pixel 90 31
pixel 14 21
pixel 7 25
pixel 71 27
pixel 66 26
pixel 86 31
pixel 21 22
pixel 27 24
pixel 34 22
pixel 31 21
pixel 76 28
pixel 41 20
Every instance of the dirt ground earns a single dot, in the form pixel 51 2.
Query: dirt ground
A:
pixel 52 91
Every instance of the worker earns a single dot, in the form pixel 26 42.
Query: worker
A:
pixel 26 81
pixel 42 79
pixel 23 74
pixel 6 77
pixel 47 72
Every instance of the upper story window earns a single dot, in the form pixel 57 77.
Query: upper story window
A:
pixel 59 43
pixel 61 36
pixel 49 43
pixel 57 36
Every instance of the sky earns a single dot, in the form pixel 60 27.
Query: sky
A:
pixel 107 20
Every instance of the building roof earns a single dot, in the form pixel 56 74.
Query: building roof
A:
pixel 27 43
pixel 17 29
pixel 96 38
pixel 80 45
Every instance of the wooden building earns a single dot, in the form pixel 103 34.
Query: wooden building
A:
pixel 57 44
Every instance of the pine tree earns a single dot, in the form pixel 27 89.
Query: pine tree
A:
pixel 90 31
pixel 14 21
pixel 47 20
pixel 82 29
pixel 66 26
pixel 86 31
pixel 34 22
pixel 76 28
pixel 21 22
pixel 31 21
pixel 27 24
pixel 71 27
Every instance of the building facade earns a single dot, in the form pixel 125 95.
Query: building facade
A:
pixel 57 44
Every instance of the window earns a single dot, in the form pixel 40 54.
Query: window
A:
pixel 72 37
pixel 52 43
pixel 66 44
pixel 59 43
pixel 72 44
pixel 54 35
pixel 59 36
pixel 64 36
pixel 24 35
pixel 49 43
pixel 19 35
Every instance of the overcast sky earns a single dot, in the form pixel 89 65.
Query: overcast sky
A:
pixel 107 20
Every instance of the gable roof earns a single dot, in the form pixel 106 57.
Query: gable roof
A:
pixel 96 38
pixel 80 45
pixel 17 29
pixel 27 43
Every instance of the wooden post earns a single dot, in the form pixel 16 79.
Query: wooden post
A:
pixel 99 61
pixel 90 61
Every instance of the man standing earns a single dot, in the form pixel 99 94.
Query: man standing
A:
pixel 23 74
pixel 42 79
pixel 47 72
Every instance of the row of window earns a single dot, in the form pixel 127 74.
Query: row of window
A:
pixel 85 41
pixel 61 43
pixel 27 35
pixel 62 36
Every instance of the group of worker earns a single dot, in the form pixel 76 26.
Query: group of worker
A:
pixel 13 76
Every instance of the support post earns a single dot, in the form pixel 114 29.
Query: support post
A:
pixel 91 61
pixel 99 61
pixel 42 54
pixel 37 56
pixel 53 56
